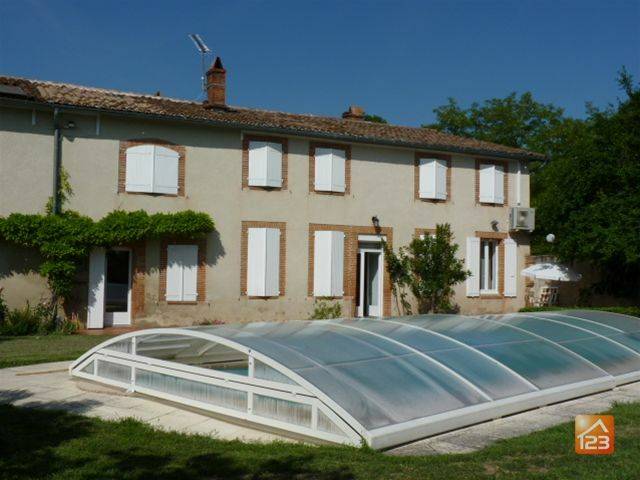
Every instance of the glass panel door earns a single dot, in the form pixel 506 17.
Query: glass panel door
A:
pixel 118 286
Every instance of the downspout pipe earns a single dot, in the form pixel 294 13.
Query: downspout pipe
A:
pixel 57 160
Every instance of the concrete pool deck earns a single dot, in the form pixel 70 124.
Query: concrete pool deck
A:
pixel 50 386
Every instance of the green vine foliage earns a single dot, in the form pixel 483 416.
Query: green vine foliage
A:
pixel 65 240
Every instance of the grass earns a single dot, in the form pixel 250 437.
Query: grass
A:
pixel 58 445
pixel 27 350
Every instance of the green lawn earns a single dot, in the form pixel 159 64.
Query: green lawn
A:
pixel 58 445
pixel 27 350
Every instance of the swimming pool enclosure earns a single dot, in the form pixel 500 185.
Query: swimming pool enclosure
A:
pixel 380 381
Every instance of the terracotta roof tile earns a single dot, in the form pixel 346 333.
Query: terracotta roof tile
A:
pixel 301 124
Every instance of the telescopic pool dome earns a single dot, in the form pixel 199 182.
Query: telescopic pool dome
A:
pixel 379 381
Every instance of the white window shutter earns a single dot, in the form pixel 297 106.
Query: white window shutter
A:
pixel 174 273
pixel 274 164
pixel 472 262
pixel 510 267
pixel 257 164
pixel 499 184
pixel 272 264
pixel 323 167
pixel 338 171
pixel 139 169
pixel 337 264
pixel 487 183
pixel 97 267
pixel 189 273
pixel 441 179
pixel 256 255
pixel 165 170
pixel 427 184
pixel 322 264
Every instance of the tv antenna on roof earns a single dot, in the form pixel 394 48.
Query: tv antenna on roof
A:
pixel 204 50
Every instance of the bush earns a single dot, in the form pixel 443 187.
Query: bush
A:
pixel 323 310
pixel 35 320
pixel 3 307
pixel 633 311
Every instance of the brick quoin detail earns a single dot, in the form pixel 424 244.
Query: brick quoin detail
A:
pixel 245 160
pixel 416 176
pixel 496 236
pixel 351 261
pixel 201 287
pixel 505 166
pixel 312 167
pixel 122 164
pixel 137 279
pixel 244 254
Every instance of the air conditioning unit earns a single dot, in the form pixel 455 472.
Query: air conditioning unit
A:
pixel 522 219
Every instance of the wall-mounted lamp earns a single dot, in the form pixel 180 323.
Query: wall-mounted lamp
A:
pixel 376 221
pixel 70 125
pixel 550 238
pixel 494 225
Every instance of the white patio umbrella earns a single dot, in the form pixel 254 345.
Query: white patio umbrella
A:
pixel 551 271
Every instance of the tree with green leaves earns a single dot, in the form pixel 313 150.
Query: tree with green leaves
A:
pixel 374 118
pixel 429 268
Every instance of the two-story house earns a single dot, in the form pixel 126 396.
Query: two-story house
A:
pixel 294 199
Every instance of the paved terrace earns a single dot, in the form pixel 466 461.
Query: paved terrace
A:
pixel 50 386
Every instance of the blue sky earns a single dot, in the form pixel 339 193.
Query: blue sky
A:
pixel 396 59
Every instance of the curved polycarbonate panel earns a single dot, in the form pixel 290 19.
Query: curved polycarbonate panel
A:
pixel 373 378
pixel 541 361
pixel 614 358
pixel 387 381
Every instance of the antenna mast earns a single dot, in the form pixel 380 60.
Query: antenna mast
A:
pixel 204 50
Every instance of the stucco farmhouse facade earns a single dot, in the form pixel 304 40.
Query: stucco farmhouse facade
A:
pixel 293 198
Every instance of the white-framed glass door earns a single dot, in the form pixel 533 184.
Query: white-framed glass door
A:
pixel 117 297
pixel 370 278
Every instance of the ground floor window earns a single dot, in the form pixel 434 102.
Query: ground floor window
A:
pixel 488 266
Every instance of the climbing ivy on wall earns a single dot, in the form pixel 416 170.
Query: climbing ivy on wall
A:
pixel 65 240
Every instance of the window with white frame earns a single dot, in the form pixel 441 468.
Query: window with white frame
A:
pixel 182 273
pixel 330 169
pixel 488 266
pixel 265 164
pixel 152 169
pixel 491 183
pixel 263 262
pixel 328 264
pixel 433 178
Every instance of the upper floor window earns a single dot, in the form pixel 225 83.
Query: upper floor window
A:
pixel 433 178
pixel 265 164
pixel 152 169
pixel 491 183
pixel 330 167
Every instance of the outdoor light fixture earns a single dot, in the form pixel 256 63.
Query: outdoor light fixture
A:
pixel 376 221
pixel 550 238
pixel 71 124
pixel 494 224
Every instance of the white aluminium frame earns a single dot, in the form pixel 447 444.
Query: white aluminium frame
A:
pixel 302 393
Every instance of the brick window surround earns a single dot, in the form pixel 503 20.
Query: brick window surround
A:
pixel 138 262
pixel 500 236
pixel 416 175
pixel 202 269
pixel 351 261
pixel 246 139
pixel 505 166
pixel 244 255
pixel 122 164
pixel 312 167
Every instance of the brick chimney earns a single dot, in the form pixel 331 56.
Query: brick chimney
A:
pixel 216 85
pixel 354 113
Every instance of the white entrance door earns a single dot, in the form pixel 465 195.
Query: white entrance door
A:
pixel 117 299
pixel 370 281
pixel 95 310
